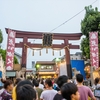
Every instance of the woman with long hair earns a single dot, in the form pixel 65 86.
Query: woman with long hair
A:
pixel 8 87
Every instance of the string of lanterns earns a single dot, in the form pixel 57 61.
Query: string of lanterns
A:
pixel 46 49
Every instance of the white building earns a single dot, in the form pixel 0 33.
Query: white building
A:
pixel 62 65
pixel 31 71
pixel 76 56
pixel 2 68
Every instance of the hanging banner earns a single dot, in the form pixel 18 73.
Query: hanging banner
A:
pixel 94 50
pixel 10 49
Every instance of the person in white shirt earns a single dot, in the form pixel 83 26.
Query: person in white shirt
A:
pixel 49 93
pixel 41 86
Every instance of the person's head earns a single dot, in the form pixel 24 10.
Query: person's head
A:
pixel 33 82
pixel 8 85
pixel 41 81
pixel 24 82
pixel 29 78
pixel 38 80
pixel 3 80
pixel 36 84
pixel 61 80
pixel 97 80
pixel 17 81
pixel 48 83
pixel 26 92
pixel 69 91
pixel 52 79
pixel 79 78
pixel 55 80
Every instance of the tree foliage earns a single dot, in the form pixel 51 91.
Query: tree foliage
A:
pixel 1 37
pixel 3 53
pixel 85 47
pixel 90 23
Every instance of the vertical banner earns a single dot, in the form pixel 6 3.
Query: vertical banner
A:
pixel 94 50
pixel 10 49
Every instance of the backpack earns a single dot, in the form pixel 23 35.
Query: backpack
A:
pixel 97 92
pixel 55 86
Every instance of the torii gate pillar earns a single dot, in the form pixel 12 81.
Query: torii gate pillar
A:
pixel 67 59
pixel 24 53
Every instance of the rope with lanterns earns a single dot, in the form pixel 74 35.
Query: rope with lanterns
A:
pixel 47 40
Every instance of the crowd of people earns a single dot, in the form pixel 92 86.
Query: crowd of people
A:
pixel 48 89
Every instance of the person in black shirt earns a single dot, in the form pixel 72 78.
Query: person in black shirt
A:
pixel 60 81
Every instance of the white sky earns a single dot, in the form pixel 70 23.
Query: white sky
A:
pixel 42 16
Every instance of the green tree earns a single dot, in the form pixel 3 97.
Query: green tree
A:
pixel 15 60
pixel 90 23
pixel 3 53
pixel 1 38
pixel 85 47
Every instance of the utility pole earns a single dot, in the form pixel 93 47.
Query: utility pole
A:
pixel 91 74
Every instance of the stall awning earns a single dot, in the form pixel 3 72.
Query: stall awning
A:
pixel 11 74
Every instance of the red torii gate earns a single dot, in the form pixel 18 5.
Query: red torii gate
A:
pixel 25 35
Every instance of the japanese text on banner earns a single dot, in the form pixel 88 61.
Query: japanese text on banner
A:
pixel 94 51
pixel 10 49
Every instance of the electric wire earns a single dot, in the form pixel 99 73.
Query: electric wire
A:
pixel 71 18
